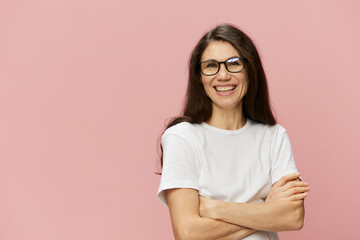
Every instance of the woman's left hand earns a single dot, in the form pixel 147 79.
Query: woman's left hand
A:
pixel 288 189
pixel 207 207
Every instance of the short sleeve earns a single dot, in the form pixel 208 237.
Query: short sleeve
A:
pixel 179 168
pixel 282 157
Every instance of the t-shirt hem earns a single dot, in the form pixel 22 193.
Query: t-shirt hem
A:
pixel 174 184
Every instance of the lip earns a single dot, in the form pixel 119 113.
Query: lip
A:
pixel 225 85
pixel 225 93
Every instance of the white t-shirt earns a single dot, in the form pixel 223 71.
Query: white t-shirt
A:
pixel 228 165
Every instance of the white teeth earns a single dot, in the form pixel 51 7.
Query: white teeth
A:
pixel 224 89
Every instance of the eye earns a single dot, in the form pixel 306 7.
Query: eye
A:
pixel 234 64
pixel 210 65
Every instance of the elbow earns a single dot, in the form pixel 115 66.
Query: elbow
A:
pixel 185 236
pixel 189 231
pixel 297 217
pixel 185 232
pixel 299 225
pixel 296 224
pixel 188 234
pixel 291 217
pixel 299 220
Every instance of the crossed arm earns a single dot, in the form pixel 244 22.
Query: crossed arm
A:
pixel 195 217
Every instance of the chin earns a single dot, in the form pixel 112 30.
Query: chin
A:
pixel 229 106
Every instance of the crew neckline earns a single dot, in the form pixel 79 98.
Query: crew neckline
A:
pixel 225 131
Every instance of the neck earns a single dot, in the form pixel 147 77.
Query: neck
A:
pixel 228 119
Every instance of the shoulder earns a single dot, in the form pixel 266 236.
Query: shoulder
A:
pixel 185 130
pixel 277 129
pixel 271 131
pixel 178 128
pixel 265 127
pixel 279 137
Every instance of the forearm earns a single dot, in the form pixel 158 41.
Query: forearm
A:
pixel 205 228
pixel 277 216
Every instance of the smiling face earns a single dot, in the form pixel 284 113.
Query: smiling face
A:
pixel 225 89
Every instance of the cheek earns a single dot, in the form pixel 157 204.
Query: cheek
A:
pixel 246 86
pixel 206 85
pixel 204 80
pixel 245 83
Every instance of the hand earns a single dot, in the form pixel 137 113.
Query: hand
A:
pixel 207 207
pixel 288 189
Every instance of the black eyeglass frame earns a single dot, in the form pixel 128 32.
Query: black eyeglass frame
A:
pixel 224 62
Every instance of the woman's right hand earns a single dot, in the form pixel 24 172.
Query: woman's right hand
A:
pixel 288 188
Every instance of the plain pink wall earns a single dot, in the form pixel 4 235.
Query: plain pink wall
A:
pixel 86 86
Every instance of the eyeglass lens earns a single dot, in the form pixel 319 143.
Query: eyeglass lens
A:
pixel 212 67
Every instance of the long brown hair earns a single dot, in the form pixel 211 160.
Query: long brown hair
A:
pixel 256 102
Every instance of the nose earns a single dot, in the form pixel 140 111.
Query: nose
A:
pixel 223 73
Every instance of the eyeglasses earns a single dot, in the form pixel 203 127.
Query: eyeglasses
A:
pixel 212 67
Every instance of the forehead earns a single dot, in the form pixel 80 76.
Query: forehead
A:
pixel 219 50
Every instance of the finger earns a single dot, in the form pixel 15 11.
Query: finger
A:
pixel 292 184
pixel 296 190
pixel 286 178
pixel 300 196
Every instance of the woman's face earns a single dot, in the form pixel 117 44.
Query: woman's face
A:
pixel 219 87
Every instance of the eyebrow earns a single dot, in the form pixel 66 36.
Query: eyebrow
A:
pixel 220 61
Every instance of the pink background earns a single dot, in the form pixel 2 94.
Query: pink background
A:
pixel 86 86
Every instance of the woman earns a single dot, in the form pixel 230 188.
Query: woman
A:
pixel 228 171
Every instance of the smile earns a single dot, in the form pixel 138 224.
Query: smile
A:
pixel 224 88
